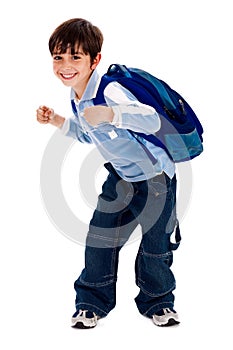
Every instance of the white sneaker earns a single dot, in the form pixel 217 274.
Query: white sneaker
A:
pixel 165 318
pixel 84 319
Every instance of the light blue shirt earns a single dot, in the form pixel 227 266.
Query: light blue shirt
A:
pixel 116 144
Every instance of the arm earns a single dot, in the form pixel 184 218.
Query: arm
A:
pixel 69 127
pixel 129 113
pixel 124 111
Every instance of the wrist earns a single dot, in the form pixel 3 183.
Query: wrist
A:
pixel 117 116
pixel 57 120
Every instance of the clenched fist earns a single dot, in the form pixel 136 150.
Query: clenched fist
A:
pixel 46 115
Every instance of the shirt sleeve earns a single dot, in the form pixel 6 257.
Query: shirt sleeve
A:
pixel 72 129
pixel 129 113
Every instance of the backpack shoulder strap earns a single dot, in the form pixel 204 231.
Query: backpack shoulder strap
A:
pixel 114 73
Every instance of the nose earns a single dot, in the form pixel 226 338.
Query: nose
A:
pixel 67 64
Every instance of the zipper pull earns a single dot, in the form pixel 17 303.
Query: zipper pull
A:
pixel 182 106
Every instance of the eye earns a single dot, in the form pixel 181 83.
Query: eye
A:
pixel 76 57
pixel 57 58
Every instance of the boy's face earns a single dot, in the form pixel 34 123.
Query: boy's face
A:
pixel 74 70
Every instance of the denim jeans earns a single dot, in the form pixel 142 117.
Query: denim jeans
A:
pixel 121 207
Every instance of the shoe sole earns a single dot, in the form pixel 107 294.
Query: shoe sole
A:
pixel 80 325
pixel 170 323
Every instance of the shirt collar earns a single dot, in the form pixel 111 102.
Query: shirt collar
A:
pixel 91 88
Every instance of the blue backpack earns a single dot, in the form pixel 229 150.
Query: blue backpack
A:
pixel 181 132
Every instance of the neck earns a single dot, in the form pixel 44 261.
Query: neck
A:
pixel 80 89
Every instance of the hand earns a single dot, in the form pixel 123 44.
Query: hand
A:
pixel 98 114
pixel 44 114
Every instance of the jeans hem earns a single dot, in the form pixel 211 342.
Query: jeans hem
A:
pixel 152 310
pixel 90 307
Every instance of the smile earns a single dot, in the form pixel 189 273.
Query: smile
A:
pixel 68 76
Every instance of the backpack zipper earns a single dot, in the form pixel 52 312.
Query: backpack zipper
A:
pixel 182 106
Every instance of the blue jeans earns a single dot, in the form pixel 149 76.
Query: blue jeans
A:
pixel 121 207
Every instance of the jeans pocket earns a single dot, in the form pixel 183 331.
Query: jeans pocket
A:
pixel 158 188
pixel 155 277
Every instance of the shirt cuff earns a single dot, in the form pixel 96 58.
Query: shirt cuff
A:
pixel 65 127
pixel 117 119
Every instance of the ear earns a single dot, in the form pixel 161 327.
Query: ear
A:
pixel 96 61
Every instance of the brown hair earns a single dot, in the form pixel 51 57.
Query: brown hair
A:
pixel 75 33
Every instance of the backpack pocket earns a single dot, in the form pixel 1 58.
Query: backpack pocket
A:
pixel 183 146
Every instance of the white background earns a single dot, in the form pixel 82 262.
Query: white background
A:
pixel 189 45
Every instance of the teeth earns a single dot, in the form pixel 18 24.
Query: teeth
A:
pixel 68 76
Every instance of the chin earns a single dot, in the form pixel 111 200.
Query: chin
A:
pixel 67 83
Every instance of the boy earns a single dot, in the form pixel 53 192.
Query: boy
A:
pixel 140 188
